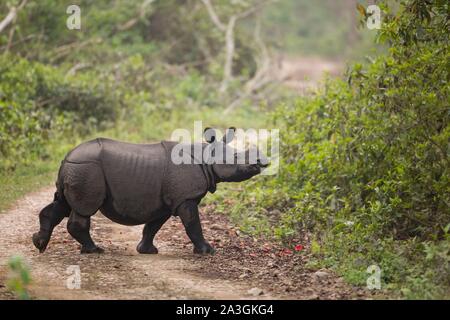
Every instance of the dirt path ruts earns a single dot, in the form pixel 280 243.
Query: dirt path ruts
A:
pixel 174 273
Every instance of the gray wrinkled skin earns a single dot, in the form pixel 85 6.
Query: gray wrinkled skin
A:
pixel 134 184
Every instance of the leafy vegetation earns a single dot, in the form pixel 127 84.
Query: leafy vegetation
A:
pixel 37 99
pixel 365 164
pixel 19 279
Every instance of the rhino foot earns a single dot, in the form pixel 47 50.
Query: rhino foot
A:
pixel 40 241
pixel 206 248
pixel 146 250
pixel 95 249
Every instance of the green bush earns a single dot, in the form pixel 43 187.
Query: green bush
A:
pixel 38 100
pixel 19 278
pixel 365 164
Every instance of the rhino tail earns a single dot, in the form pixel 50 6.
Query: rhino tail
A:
pixel 59 200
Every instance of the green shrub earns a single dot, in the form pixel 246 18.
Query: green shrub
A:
pixel 365 164
pixel 19 278
pixel 37 101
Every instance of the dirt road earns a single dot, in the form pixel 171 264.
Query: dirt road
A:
pixel 304 74
pixel 242 268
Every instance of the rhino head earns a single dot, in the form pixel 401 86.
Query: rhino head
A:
pixel 230 164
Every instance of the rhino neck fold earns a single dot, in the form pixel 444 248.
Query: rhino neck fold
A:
pixel 211 177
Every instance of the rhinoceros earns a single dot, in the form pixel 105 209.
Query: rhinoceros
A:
pixel 134 184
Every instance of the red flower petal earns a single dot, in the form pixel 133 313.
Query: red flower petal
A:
pixel 298 247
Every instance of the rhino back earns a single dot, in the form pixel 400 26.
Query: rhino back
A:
pixel 86 152
pixel 134 175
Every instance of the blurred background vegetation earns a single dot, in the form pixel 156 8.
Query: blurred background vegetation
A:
pixel 364 167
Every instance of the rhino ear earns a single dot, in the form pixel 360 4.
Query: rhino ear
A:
pixel 209 134
pixel 229 135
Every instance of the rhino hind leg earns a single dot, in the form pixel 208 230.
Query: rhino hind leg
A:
pixel 79 227
pixel 84 187
pixel 146 245
pixel 49 218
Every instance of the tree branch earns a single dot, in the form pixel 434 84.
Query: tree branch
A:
pixel 11 15
pixel 130 23
pixel 77 67
pixel 262 75
pixel 66 49
pixel 10 39
pixel 229 48
pixel 9 18
pixel 229 37
pixel 214 17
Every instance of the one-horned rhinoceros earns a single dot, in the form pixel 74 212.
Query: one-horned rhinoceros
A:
pixel 134 184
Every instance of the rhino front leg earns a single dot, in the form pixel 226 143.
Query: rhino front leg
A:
pixel 188 212
pixel 78 227
pixel 150 230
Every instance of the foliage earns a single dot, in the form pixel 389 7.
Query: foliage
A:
pixel 19 279
pixel 365 164
pixel 57 83
pixel 170 31
pixel 36 99
pixel 364 161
